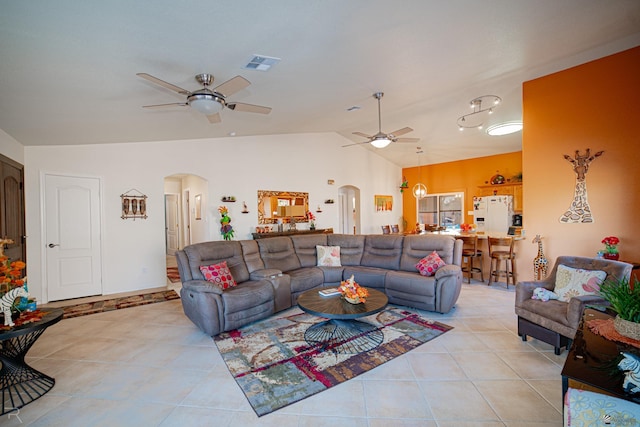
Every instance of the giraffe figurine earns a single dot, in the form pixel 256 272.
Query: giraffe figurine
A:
pixel 580 211
pixel 540 263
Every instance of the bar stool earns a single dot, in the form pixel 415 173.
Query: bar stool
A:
pixel 386 229
pixel 470 252
pixel 395 228
pixel 501 249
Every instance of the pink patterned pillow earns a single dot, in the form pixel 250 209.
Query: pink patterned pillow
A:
pixel 428 265
pixel 218 274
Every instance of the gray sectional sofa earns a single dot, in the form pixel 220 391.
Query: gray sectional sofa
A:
pixel 271 273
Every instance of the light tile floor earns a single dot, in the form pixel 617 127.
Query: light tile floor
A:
pixel 150 366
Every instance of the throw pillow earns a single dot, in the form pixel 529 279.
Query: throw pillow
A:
pixel 218 274
pixel 573 282
pixel 428 265
pixel 328 256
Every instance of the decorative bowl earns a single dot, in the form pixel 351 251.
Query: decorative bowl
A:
pixel 355 300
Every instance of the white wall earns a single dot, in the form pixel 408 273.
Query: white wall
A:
pixel 134 251
pixel 11 148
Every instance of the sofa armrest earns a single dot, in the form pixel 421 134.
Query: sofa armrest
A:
pixel 447 270
pixel 201 286
pixel 576 307
pixel 265 273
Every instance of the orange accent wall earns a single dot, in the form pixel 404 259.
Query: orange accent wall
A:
pixel 595 105
pixel 463 175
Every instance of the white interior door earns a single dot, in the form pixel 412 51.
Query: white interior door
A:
pixel 72 237
pixel 171 222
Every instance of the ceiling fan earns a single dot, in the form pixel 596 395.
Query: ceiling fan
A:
pixel 381 140
pixel 209 101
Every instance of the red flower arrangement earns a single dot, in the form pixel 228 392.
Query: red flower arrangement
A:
pixel 611 244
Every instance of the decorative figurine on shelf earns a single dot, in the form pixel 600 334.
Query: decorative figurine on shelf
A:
pixel 580 211
pixel 497 179
pixel 404 185
pixel 311 218
pixel 540 263
pixel 226 229
pixel 244 208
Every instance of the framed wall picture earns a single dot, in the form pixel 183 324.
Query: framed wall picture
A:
pixel 198 200
pixel 383 203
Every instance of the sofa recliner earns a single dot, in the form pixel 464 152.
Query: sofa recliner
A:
pixel 271 273
pixel 556 322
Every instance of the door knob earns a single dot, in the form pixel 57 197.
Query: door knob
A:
pixel 53 245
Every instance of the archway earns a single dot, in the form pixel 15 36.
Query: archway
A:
pixel 349 206
pixel 186 216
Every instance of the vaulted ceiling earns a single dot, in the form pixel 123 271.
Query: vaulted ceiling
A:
pixel 68 68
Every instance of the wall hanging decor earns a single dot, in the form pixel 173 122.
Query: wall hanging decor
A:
pixel 383 203
pixel 134 205
pixel 580 211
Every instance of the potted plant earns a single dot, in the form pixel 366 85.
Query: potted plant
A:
pixel 611 247
pixel 624 297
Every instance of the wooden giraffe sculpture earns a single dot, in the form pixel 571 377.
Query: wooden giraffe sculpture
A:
pixel 579 211
pixel 540 263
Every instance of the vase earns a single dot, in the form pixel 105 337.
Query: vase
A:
pixel 355 300
pixel 611 256
pixel 627 328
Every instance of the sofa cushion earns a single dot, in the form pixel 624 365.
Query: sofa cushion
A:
pixel 279 253
pixel 218 274
pixel 382 251
pixel 207 253
pixel 251 254
pixel 369 277
pixel 328 256
pixel 247 302
pixel 351 247
pixel 428 265
pixel 416 247
pixel 411 289
pixel 572 282
pixel 305 247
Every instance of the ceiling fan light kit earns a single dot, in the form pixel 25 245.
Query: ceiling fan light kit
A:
pixel 206 101
pixel 380 139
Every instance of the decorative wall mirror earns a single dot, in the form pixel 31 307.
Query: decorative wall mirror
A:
pixel 275 205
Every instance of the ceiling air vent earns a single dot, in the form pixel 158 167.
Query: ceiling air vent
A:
pixel 261 63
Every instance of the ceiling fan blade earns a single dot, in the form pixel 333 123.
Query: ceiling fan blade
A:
pixel 364 135
pixel 249 108
pixel 407 140
pixel 173 104
pixel 162 83
pixel 232 86
pixel 214 118
pixel 401 131
pixel 356 143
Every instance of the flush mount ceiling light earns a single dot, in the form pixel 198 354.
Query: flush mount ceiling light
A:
pixel 504 128
pixel 482 107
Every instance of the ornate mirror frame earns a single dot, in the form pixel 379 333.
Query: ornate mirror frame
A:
pixel 266 196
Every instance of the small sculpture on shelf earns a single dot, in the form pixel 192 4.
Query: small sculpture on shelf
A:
pixel 225 223
pixel 245 210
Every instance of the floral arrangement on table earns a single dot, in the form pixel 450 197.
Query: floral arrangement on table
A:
pixel 623 296
pixel 225 223
pixel 467 227
pixel 611 247
pixel 353 292
pixel 311 218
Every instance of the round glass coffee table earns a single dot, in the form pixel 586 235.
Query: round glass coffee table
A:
pixel 342 332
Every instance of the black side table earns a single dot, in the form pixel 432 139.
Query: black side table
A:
pixel 20 383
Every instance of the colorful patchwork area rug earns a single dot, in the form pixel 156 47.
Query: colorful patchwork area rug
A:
pixel 118 303
pixel 274 365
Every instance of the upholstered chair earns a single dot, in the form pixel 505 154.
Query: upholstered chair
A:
pixel 556 322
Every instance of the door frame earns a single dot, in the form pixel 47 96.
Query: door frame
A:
pixel 43 231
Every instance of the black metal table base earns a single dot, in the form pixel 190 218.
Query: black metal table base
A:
pixel 19 382
pixel 344 336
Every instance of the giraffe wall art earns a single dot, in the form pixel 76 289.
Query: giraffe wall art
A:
pixel 579 211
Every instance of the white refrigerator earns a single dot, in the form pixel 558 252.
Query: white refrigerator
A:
pixel 493 214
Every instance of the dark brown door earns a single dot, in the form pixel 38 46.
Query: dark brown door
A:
pixel 12 208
